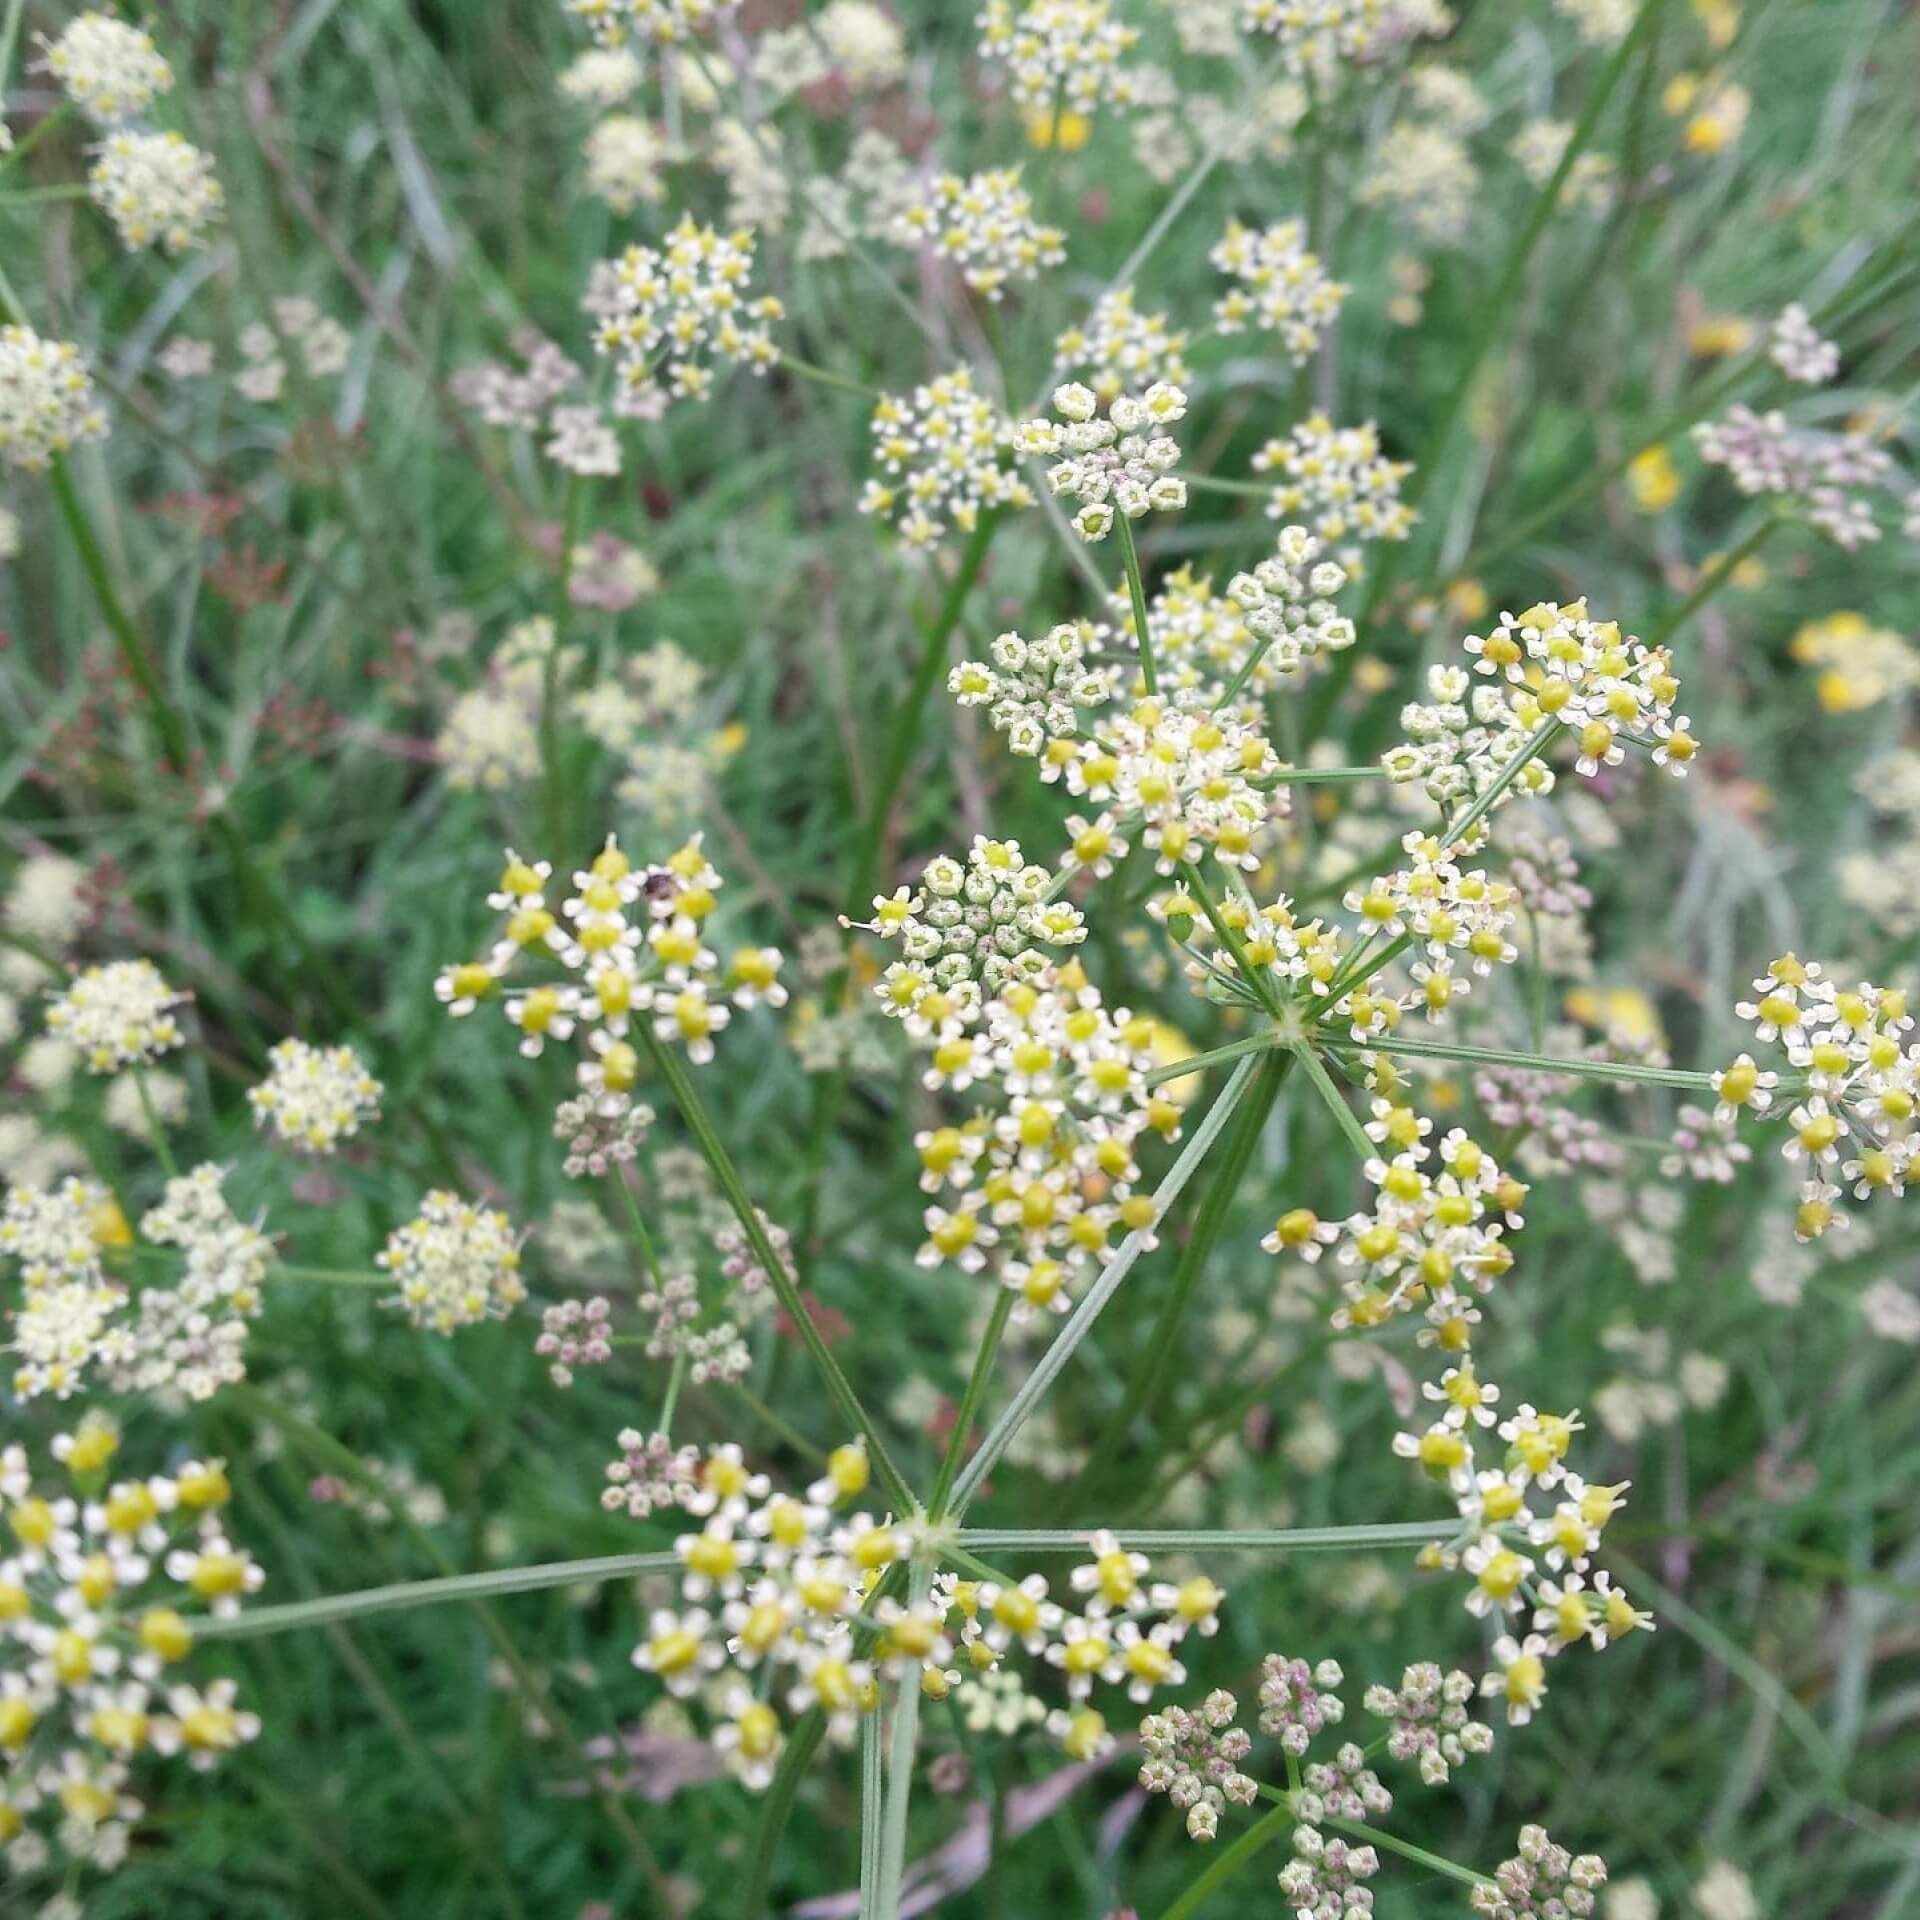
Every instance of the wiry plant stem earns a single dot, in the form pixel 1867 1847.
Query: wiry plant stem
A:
pixel 1621 1070
pixel 686 1097
pixel 1148 1381
pixel 1137 593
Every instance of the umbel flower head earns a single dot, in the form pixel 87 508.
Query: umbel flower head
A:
pixel 1119 463
pixel 46 399
pixel 314 1097
pixel 1283 287
pixel 117 1015
pixel 1337 481
pixel 666 314
pixel 98 1596
pixel 156 188
pixel 775 1593
pixel 603 970
pixel 1068 54
pixel 111 71
pixel 947 453
pixel 455 1264
pixel 1121 349
pixel 72 1319
pixel 985 225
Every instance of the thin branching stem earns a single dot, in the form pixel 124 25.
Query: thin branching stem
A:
pixel 1624 1071
pixel 970 1400
pixel 1148 1382
pixel 1335 1102
pixel 1228 1861
pixel 1359 1538
pixel 1137 593
pixel 1712 580
pixel 686 1097
pixel 406 1596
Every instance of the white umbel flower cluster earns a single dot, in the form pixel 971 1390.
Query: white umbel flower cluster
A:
pixel 1065 54
pixel 1314 34
pixel 1120 462
pixel 455 1264
pixel 118 1015
pixel 156 188
pixel 1032 688
pixel 667 314
pixel 314 1097
pixel 947 454
pixel 626 155
pixel 112 72
pixel 1286 604
pixel 1283 287
pixel 1123 348
pixel 99 1595
pixel 46 399
pixel 1338 480
pixel 1798 350
pixel 985 225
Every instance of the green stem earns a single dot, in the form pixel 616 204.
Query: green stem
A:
pixel 801 1748
pixel 335 1276
pixel 1199 1062
pixel 1246 489
pixel 976 1389
pixel 1335 1103
pixel 28 141
pixel 1351 1539
pixel 1542 737
pixel 1148 1383
pixel 826 377
pixel 163 1152
pixel 1225 1864
pixel 1621 1070
pixel 1710 582
pixel 1137 593
pixel 37 196
pixel 1374 1836
pixel 873 1794
pixel 675 1379
pixel 1255 981
pixel 673 1071
pixel 649 1253
pixel 1079 1323
pixel 405 1596
pixel 165 720
pixel 900 1757
pixel 802 1744
pixel 552 765
pixel 9 38
pixel 1316 776
pixel 905 735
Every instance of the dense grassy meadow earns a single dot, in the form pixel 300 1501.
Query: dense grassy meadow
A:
pixel 386 571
